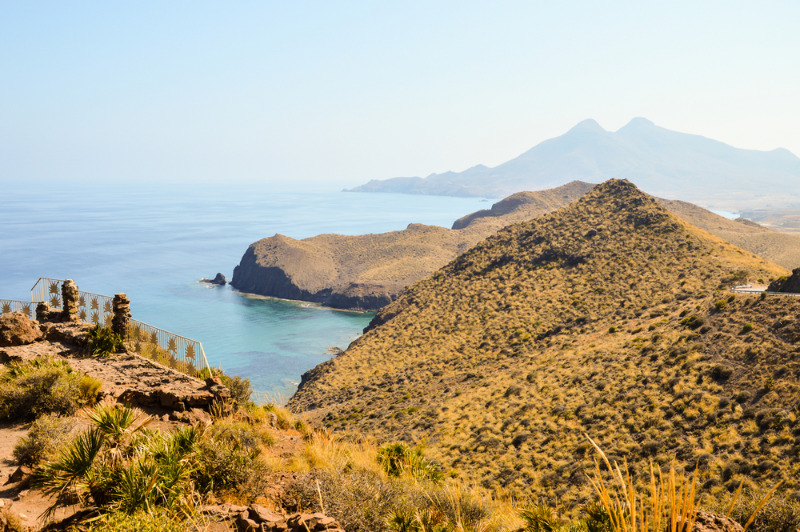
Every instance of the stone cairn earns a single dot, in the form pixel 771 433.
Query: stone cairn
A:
pixel 122 315
pixel 71 300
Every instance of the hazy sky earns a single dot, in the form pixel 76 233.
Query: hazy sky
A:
pixel 349 91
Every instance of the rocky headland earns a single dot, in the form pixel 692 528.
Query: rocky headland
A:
pixel 367 272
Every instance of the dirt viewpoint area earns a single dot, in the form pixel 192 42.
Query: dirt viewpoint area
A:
pixel 171 397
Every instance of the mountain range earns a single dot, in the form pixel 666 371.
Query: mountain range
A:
pixel 662 162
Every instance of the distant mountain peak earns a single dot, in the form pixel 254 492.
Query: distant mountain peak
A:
pixel 590 124
pixel 638 123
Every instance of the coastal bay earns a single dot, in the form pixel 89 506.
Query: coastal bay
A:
pixel 155 243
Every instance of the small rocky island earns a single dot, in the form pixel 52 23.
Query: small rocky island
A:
pixel 219 279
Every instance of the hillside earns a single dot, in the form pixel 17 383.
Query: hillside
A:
pixel 663 163
pixel 609 317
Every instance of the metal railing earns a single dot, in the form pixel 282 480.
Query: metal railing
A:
pixel 14 305
pixel 166 348
pixel 92 308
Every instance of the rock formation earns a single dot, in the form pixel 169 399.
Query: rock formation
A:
pixel 71 299
pixel 16 328
pixel 122 315
pixel 257 518
pixel 711 522
pixel 219 279
pixel 788 284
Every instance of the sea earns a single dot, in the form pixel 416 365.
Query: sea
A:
pixel 154 242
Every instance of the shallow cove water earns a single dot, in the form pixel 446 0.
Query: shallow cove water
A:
pixel 155 242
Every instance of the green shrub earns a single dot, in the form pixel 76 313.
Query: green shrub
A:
pixel 46 435
pixel 229 460
pixel 747 328
pixel 141 521
pixel 30 389
pixel 103 341
pixel 692 322
pixel 399 458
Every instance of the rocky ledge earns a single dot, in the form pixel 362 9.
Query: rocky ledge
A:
pixel 127 377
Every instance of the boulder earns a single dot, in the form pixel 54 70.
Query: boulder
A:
pixel 711 522
pixel 16 328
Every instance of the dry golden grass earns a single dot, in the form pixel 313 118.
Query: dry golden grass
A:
pixel 599 318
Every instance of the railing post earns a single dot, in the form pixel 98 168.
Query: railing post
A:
pixel 121 321
pixel 70 300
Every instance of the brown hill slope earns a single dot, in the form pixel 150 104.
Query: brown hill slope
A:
pixel 369 271
pixel 608 317
pixel 781 248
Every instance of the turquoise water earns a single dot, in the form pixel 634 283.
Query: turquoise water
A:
pixel 155 243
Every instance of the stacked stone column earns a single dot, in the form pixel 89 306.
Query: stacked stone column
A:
pixel 71 301
pixel 122 315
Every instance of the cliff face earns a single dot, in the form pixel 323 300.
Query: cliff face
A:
pixel 364 272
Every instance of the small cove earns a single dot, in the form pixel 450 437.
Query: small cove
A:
pixel 155 242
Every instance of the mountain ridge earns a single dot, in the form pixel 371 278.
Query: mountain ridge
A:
pixel 663 162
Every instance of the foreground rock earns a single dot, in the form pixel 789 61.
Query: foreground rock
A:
pixel 126 377
pixel 16 328
pixel 257 518
pixel 710 522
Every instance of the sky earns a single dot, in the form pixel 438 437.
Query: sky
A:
pixel 338 93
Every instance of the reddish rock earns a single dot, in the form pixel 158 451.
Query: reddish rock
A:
pixel 16 328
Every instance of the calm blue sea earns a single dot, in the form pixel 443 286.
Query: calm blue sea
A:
pixel 155 242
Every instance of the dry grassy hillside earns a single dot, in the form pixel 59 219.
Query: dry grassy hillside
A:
pixel 523 206
pixel 781 248
pixel 610 317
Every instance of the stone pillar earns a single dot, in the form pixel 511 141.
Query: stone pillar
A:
pixel 43 312
pixel 70 298
pixel 122 315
